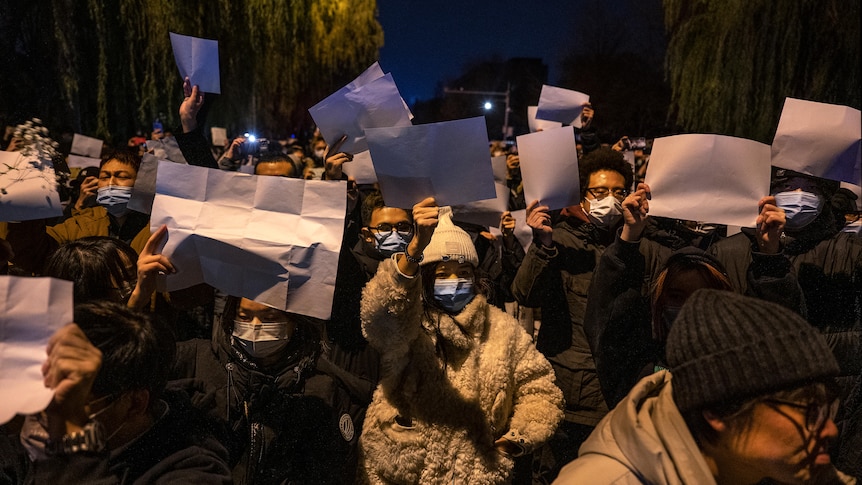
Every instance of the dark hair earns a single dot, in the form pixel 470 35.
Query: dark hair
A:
pixel 276 157
pixel 123 156
pixel 137 351
pixel 604 158
pixel 739 414
pixel 95 264
pixel 373 201
pixel 686 259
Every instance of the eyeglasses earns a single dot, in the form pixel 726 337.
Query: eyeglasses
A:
pixel 816 414
pixel 125 290
pixel 601 192
pixel 403 227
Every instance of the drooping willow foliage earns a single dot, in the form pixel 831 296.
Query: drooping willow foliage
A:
pixel 731 63
pixel 107 68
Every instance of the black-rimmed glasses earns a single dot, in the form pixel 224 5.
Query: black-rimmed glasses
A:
pixel 816 414
pixel 601 192
pixel 403 227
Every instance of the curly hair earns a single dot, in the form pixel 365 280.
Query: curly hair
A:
pixel 604 159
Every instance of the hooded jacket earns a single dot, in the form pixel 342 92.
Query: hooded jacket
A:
pixel 451 385
pixel 295 422
pixel 643 440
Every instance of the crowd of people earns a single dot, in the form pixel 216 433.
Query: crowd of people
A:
pixel 617 347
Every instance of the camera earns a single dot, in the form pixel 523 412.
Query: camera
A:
pixel 254 146
pixel 638 143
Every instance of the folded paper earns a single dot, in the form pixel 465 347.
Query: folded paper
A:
pixel 28 188
pixel 488 212
pixel 272 239
pixel 448 160
pixel 197 59
pixel 86 146
pixel 563 105
pixel 708 178
pixel 549 167
pixel 536 124
pixel 31 310
pixel 819 139
pixel 350 111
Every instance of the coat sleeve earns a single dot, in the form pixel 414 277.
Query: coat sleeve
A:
pixel 531 279
pixel 391 312
pixel 538 402
pixel 195 148
pixel 617 319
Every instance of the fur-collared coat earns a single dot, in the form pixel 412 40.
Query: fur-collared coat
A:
pixel 450 386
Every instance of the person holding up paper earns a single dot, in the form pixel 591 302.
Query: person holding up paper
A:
pixel 292 415
pixel 463 390
pixel 110 420
pixel 555 276
pixel 828 264
pixel 627 327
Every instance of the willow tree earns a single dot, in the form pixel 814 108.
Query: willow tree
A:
pixel 731 63
pixel 107 68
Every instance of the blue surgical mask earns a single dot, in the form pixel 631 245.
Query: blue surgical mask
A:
pixel 389 243
pixel 800 208
pixel 114 198
pixel 453 294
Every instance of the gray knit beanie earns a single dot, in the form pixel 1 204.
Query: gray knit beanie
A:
pixel 725 347
pixel 449 242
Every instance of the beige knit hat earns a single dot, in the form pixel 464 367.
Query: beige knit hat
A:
pixel 449 242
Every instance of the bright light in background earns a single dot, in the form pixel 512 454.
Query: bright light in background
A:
pixel 488 105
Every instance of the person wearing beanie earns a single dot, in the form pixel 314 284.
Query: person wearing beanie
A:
pixel 627 321
pixel 749 396
pixel 828 265
pixel 463 391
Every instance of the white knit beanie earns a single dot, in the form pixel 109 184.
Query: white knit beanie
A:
pixel 449 242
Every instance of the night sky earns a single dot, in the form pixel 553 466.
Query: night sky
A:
pixel 428 42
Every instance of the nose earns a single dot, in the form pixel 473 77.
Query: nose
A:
pixel 830 430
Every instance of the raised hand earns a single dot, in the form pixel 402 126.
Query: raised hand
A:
pixel 507 224
pixel 193 100
pixel 151 263
pixel 539 219
pixel 70 370
pixel 334 159
pixel 89 187
pixel 770 225
pixel 635 209
pixel 425 216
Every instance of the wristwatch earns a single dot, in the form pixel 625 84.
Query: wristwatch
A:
pixel 412 259
pixel 88 439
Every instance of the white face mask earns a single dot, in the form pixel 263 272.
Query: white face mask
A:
pixel 800 208
pixel 319 153
pixel 263 339
pixel 605 212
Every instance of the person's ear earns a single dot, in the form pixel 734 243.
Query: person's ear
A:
pixel 367 235
pixel 715 422
pixel 139 402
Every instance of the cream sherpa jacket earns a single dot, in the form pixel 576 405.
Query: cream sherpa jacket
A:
pixel 434 419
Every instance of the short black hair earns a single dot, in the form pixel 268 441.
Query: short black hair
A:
pixel 276 157
pixel 373 201
pixel 123 156
pixel 604 158
pixel 137 351
pixel 95 264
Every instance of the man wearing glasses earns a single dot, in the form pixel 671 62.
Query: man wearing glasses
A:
pixel 750 397
pixel 555 275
